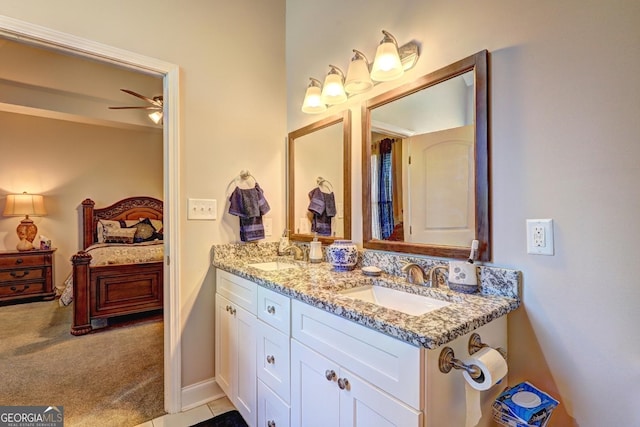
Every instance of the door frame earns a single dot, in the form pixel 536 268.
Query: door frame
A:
pixel 30 33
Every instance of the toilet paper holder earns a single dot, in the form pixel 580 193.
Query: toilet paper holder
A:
pixel 448 361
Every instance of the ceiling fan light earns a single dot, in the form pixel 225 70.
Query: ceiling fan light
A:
pixel 156 116
pixel 387 65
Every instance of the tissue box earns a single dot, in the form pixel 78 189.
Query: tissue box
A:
pixel 523 405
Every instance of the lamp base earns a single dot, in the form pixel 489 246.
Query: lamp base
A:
pixel 27 232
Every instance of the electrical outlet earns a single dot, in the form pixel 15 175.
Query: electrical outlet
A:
pixel 268 227
pixel 540 236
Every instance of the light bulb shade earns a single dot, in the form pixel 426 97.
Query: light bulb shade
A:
pixel 333 88
pixel 386 65
pixel 358 79
pixel 156 116
pixel 312 103
pixel 24 205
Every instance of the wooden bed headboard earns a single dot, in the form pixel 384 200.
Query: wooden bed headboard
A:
pixel 130 208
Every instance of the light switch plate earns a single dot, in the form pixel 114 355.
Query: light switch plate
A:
pixel 540 236
pixel 202 209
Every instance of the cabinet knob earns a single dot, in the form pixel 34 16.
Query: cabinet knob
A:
pixel 233 311
pixel 19 261
pixel 271 360
pixel 228 308
pixel 343 383
pixel 271 423
pixel 271 309
pixel 330 374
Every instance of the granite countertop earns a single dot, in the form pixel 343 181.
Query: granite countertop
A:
pixel 318 285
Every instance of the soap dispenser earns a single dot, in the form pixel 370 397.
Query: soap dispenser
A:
pixel 315 250
pixel 284 242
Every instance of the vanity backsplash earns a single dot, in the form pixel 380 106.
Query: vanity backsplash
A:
pixel 491 280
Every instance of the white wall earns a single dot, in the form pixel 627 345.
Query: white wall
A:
pixel 68 162
pixel 232 87
pixel 564 130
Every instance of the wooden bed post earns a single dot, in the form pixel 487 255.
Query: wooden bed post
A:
pixel 88 226
pixel 81 321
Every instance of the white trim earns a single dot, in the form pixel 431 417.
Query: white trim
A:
pixel 200 393
pixel 35 34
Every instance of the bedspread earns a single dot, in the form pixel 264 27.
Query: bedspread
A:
pixel 114 254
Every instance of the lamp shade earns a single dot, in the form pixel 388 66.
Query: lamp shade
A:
pixel 358 79
pixel 156 116
pixel 312 102
pixel 24 205
pixel 387 65
pixel 333 88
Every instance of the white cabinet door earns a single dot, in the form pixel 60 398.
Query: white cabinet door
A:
pixel 272 359
pixel 315 399
pixel 235 355
pixel 363 405
pixel 245 391
pixel 272 411
pixel 225 345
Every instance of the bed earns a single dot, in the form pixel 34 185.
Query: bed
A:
pixel 114 275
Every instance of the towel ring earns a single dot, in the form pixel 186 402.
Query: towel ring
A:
pixel 321 181
pixel 244 175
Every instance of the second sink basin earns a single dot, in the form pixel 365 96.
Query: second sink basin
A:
pixel 273 265
pixel 412 304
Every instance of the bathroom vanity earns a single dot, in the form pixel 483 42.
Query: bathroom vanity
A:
pixel 293 349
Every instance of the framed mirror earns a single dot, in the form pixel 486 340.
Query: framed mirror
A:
pixel 319 180
pixel 426 164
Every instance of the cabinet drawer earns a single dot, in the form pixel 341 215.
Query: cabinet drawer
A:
pixel 237 290
pixel 23 288
pixel 272 411
pixel 18 260
pixel 273 359
pixel 386 362
pixel 274 309
pixel 22 274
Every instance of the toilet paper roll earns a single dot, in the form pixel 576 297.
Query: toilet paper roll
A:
pixel 493 368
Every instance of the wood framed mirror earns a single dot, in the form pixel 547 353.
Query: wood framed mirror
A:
pixel 425 184
pixel 319 168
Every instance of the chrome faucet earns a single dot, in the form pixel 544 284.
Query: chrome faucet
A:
pixel 298 253
pixel 415 273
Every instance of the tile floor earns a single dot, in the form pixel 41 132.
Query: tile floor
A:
pixel 192 416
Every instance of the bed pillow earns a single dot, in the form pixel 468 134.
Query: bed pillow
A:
pixel 119 235
pixel 103 226
pixel 145 231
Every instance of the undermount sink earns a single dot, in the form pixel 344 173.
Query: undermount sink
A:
pixel 412 304
pixel 273 265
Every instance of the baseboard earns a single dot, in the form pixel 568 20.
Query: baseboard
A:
pixel 200 393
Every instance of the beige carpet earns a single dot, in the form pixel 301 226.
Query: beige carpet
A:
pixel 108 378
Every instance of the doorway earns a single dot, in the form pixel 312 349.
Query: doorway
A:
pixel 34 34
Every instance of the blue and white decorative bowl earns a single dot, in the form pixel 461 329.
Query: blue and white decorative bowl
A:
pixel 343 255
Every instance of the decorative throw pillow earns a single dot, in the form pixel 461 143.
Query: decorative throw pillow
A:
pixel 119 235
pixel 103 226
pixel 144 231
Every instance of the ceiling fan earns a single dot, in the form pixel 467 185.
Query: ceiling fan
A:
pixel 156 105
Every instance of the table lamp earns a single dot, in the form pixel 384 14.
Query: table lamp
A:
pixel 25 204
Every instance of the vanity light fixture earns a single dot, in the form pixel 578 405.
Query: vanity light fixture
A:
pixel 387 65
pixel 312 102
pixel 333 88
pixel 358 79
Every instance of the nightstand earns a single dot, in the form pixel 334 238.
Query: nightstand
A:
pixel 26 275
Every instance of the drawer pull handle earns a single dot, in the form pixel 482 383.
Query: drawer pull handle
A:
pixel 18 275
pixel 271 423
pixel 343 383
pixel 19 261
pixel 271 360
pixel 271 309
pixel 330 374
pixel 24 288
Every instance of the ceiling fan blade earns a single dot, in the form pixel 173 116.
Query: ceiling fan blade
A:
pixel 135 108
pixel 155 102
